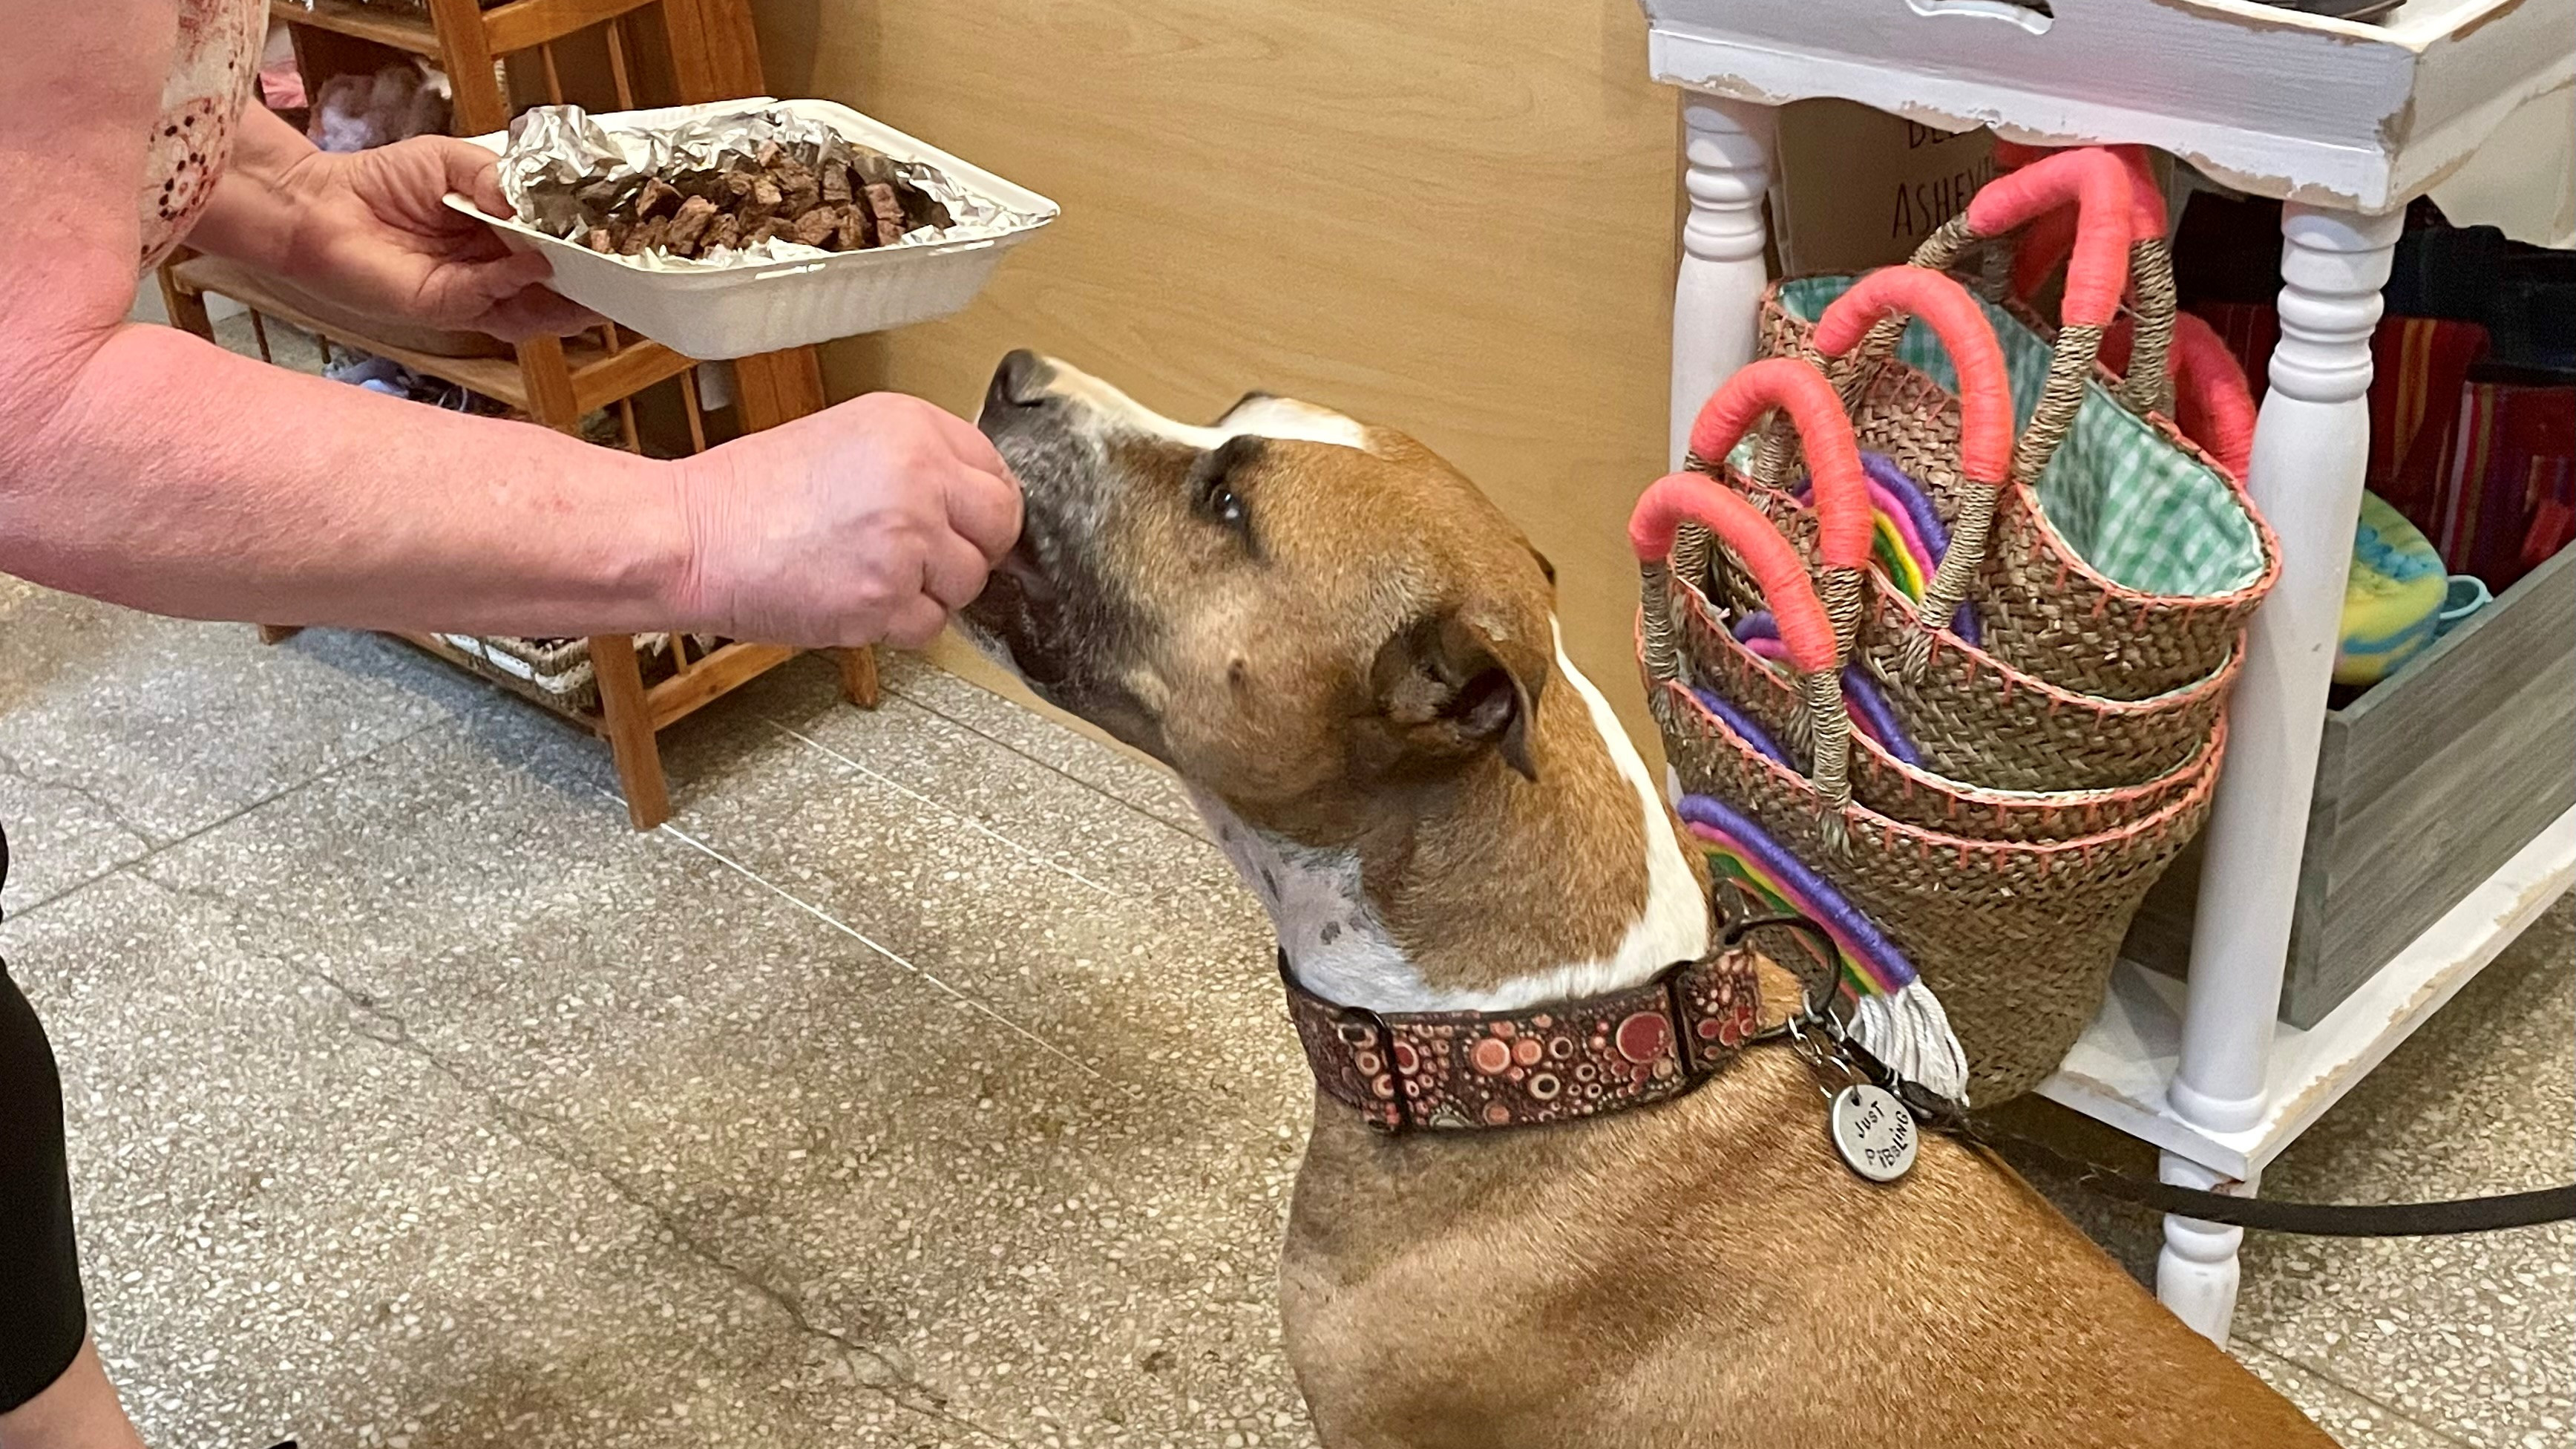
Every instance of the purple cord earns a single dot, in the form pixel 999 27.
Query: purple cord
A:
pixel 1858 691
pixel 1753 734
pixel 1816 895
pixel 1882 470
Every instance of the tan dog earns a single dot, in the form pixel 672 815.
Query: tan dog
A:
pixel 1350 657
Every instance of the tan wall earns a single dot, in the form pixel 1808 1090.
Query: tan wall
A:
pixel 1456 219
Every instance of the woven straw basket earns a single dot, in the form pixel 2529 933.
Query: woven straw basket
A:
pixel 1970 717
pixel 2008 905
pixel 2116 561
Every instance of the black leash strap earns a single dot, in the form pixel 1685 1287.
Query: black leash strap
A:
pixel 2312 1219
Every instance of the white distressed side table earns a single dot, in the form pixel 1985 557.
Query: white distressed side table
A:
pixel 2346 123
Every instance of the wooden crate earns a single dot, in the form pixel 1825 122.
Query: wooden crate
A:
pixel 2425 786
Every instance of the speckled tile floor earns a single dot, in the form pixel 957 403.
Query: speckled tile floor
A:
pixel 921 1085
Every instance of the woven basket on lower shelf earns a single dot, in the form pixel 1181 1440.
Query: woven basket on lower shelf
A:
pixel 560 668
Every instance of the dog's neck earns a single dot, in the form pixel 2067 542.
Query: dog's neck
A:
pixel 1497 894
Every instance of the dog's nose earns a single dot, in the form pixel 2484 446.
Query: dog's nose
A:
pixel 1019 382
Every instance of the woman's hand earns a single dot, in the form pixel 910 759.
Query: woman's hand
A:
pixel 370 229
pixel 873 520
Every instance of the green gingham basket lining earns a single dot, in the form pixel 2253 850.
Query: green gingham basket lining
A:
pixel 2139 511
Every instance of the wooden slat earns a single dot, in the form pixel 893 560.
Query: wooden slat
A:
pixel 622 84
pixel 476 89
pixel 859 683
pixel 545 371
pixel 401 30
pixel 523 24
pixel 695 406
pixel 775 386
pixel 495 377
pixel 628 723
pixel 715 51
pixel 598 377
pixel 735 664
pixel 2425 785
pixel 598 380
pixel 185 307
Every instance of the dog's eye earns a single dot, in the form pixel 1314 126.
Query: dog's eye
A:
pixel 1214 494
pixel 1218 501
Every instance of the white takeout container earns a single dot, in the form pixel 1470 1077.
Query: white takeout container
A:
pixel 766 306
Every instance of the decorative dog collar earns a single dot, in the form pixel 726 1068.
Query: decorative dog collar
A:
pixel 1555 1062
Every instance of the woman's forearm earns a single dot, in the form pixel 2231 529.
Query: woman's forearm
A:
pixel 171 475
pixel 252 217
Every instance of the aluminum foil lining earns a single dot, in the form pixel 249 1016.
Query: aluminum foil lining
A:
pixel 558 154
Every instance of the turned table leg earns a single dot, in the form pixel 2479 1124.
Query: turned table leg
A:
pixel 1726 156
pixel 2311 443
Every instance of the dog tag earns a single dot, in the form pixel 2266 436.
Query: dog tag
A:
pixel 1873 1132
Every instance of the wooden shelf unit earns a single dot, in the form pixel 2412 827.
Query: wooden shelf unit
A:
pixel 699 681
pixel 519 25
pixel 604 367
pixel 712 54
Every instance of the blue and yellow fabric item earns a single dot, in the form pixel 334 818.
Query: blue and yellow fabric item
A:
pixel 2392 603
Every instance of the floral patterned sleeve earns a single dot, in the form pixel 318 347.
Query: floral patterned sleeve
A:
pixel 214 74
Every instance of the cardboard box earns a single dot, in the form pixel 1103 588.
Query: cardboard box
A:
pixel 1859 188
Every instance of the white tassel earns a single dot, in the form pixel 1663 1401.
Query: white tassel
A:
pixel 1910 1034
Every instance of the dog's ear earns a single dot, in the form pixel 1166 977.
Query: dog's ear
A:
pixel 1454 683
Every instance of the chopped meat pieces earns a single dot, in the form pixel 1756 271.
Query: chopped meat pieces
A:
pixel 646 236
pixel 743 200
pixel 888 211
pixel 813 228
pixel 799 189
pixel 659 198
pixel 689 225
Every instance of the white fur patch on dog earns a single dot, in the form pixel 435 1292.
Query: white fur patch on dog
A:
pixel 1263 417
pixel 1333 938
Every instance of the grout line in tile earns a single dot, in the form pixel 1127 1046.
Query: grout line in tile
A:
pixel 2240 1344
pixel 1049 766
pixel 960 816
pixel 837 924
pixel 113 812
pixel 370 1020
pixel 135 864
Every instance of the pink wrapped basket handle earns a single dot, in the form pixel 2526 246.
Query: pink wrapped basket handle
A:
pixel 1985 387
pixel 2098 185
pixel 1833 454
pixel 2047 240
pixel 1679 498
pixel 2207 373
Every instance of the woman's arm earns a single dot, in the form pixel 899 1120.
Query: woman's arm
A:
pixel 369 229
pixel 251 217
pixel 141 465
